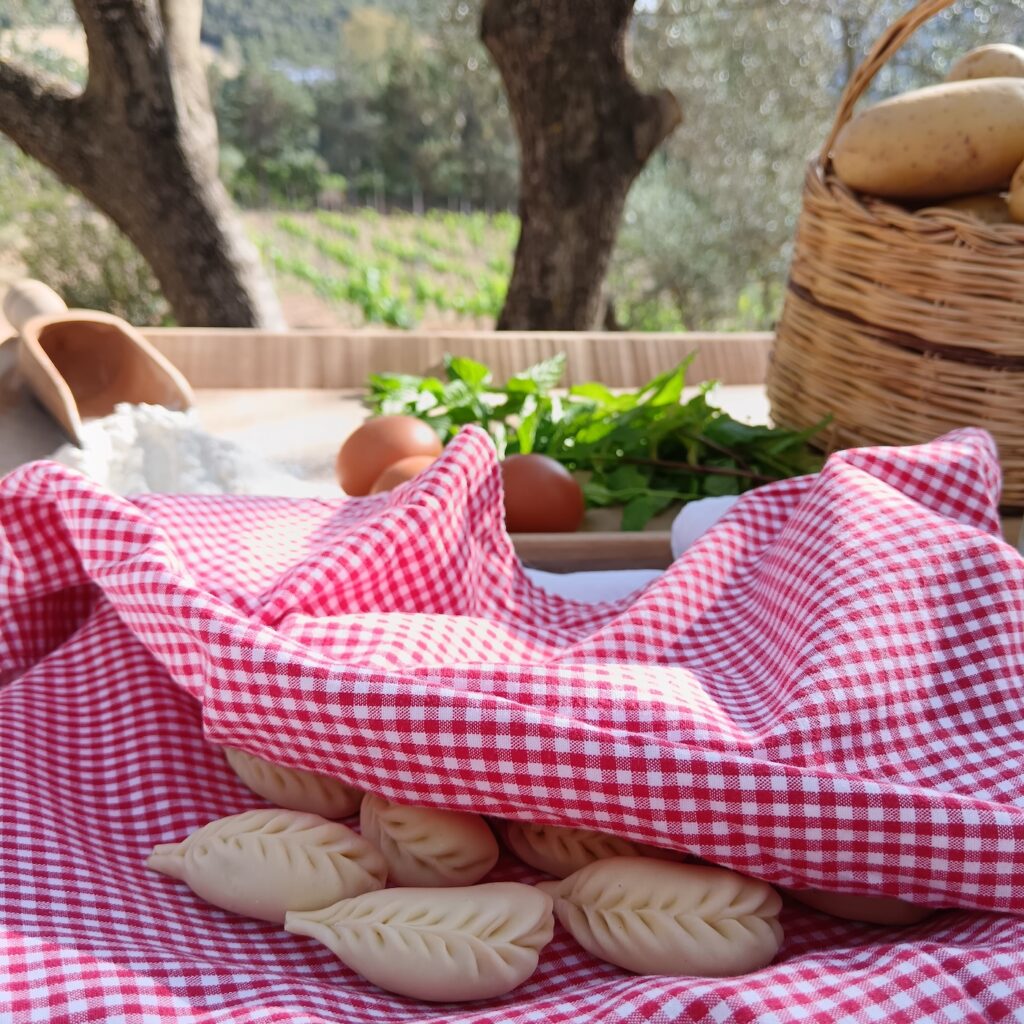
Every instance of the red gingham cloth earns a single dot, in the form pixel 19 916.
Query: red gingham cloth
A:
pixel 824 691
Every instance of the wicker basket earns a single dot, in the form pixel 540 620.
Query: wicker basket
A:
pixel 901 325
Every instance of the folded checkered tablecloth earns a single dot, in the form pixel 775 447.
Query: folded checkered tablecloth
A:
pixel 825 690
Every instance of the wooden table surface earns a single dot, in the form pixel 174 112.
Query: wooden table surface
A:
pixel 305 426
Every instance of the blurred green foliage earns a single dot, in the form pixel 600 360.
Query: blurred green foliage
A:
pixel 69 245
pixel 395 105
pixel 707 232
pixel 88 262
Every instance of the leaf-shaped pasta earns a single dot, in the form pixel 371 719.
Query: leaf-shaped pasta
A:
pixel 265 863
pixel 886 910
pixel 426 846
pixel 294 788
pixel 655 917
pixel 561 851
pixel 442 945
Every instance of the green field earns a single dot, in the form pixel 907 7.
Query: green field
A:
pixel 399 270
pixel 433 270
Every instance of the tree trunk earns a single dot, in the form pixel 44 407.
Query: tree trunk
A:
pixel 585 132
pixel 141 144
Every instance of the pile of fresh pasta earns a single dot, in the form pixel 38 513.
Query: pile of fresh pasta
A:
pixel 401 902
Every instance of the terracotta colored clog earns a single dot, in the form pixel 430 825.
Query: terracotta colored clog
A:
pixel 80 363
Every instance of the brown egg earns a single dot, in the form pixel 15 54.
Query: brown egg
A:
pixel 541 496
pixel 401 472
pixel 380 443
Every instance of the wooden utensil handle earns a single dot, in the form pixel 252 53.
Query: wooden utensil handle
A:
pixel 27 298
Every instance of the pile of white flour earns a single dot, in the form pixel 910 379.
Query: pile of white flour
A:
pixel 140 448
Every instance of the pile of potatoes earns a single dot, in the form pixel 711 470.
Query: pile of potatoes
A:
pixel 958 145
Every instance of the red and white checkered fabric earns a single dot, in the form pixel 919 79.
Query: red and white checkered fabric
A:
pixel 824 691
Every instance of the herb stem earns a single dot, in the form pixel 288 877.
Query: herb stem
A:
pixel 721 449
pixel 690 467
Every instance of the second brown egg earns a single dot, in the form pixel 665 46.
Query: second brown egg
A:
pixel 378 444
pixel 401 472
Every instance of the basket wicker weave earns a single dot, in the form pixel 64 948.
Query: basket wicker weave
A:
pixel 901 325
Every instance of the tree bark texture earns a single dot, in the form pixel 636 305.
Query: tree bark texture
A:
pixel 140 142
pixel 585 131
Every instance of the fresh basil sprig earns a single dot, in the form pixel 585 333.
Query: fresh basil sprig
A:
pixel 644 450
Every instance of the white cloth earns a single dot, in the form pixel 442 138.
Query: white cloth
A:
pixel 696 519
pixel 693 521
pixel 593 587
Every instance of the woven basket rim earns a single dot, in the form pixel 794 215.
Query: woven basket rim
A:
pixel 972 256
pixel 926 220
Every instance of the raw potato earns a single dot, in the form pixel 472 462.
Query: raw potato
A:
pixel 561 851
pixel 955 139
pixel 868 909
pixel 442 945
pixel 998 60
pixel 294 788
pixel 655 917
pixel 1015 200
pixel 265 863
pixel 428 847
pixel 990 207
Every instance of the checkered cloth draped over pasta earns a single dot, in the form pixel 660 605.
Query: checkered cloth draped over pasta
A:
pixel 824 691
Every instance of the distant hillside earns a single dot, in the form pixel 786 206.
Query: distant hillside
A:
pixel 35 12
pixel 306 34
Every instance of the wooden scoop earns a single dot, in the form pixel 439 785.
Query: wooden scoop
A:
pixel 80 363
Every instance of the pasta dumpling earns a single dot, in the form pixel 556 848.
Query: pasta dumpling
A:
pixel 887 910
pixel 656 917
pixel 294 788
pixel 265 863
pixel 441 945
pixel 425 846
pixel 560 851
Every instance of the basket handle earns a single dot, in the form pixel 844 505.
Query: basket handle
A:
pixel 891 40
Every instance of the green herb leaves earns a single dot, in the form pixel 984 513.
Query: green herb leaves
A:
pixel 644 450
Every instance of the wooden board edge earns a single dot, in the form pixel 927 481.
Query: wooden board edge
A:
pixel 235 358
pixel 582 552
